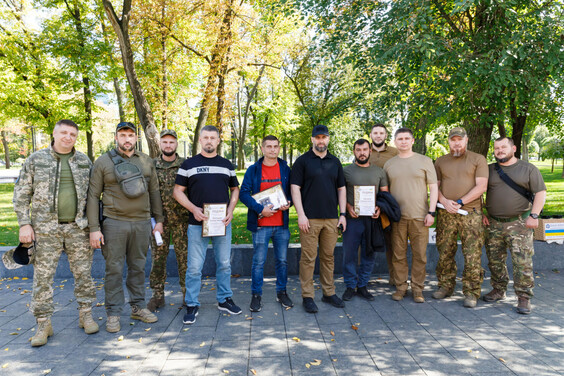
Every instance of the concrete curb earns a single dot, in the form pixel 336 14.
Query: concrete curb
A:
pixel 547 257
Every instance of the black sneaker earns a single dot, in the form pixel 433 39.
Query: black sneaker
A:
pixel 284 299
pixel 348 294
pixel 229 306
pixel 309 305
pixel 190 316
pixel 256 306
pixel 363 291
pixel 334 300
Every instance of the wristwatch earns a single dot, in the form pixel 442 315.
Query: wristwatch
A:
pixel 432 213
pixel 459 202
pixel 534 216
pixel 343 214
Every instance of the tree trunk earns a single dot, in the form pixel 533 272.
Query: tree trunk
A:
pixel 291 157
pixel 87 92
pixel 119 96
pixel 525 149
pixel 164 61
pixel 284 151
pixel 479 138
pixel 222 44
pixel 420 146
pixel 6 149
pixel 142 107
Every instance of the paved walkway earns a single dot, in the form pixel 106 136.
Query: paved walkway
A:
pixel 366 338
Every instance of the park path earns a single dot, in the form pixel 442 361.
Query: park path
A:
pixel 382 337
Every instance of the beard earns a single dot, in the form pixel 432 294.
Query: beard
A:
pixel 208 148
pixel 378 144
pixel 458 152
pixel 504 159
pixel 320 148
pixel 361 161
pixel 169 153
pixel 126 148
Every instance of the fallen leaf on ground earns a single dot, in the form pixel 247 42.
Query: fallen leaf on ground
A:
pixel 296 339
pixel 253 371
pixel 140 340
pixel 46 371
pixel 202 344
pixel 120 338
pixel 332 333
pixel 147 329
pixel 307 365
pixel 5 365
pixel 225 371
pixel 316 362
pixel 354 327
pixel 503 360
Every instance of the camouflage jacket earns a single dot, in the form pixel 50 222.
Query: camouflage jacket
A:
pixel 37 188
pixel 166 173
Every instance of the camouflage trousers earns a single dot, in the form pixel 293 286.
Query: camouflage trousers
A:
pixel 516 237
pixel 175 232
pixel 50 242
pixel 471 231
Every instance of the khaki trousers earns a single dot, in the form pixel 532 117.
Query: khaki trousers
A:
pixel 323 232
pixel 418 235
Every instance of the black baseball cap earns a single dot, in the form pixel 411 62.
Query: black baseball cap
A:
pixel 320 129
pixel 126 125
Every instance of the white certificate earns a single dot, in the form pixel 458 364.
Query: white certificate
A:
pixel 364 199
pixel 272 197
pixel 214 226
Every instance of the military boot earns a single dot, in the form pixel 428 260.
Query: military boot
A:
pixel 157 301
pixel 42 333
pixel 86 321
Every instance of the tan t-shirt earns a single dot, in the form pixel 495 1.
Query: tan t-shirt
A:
pixel 408 179
pixel 502 200
pixel 458 176
pixel 379 158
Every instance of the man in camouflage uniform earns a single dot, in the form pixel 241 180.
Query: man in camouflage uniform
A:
pixel 510 223
pixel 463 178
pixel 48 175
pixel 175 223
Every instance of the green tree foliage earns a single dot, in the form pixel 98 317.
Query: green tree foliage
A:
pixel 479 63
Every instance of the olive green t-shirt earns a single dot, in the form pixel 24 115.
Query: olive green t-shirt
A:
pixel 408 179
pixel 458 176
pixel 66 196
pixel 379 158
pixel 502 200
pixel 356 175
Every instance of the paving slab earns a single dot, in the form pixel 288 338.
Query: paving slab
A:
pixel 380 337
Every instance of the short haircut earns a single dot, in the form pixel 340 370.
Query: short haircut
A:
pixel 403 130
pixel 269 138
pixel 379 125
pixel 360 141
pixel 209 128
pixel 509 139
pixel 67 122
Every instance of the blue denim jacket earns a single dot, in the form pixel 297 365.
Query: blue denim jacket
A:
pixel 251 185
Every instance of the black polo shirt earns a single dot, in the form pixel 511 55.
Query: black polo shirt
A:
pixel 319 180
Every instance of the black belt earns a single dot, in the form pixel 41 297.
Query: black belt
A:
pixel 66 223
pixel 512 219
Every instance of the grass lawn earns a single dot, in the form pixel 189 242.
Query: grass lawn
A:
pixel 9 226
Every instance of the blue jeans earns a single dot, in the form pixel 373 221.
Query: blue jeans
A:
pixel 280 238
pixel 352 239
pixel 197 246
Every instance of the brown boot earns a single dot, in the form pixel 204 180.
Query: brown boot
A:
pixel 86 321
pixel 494 295
pixel 42 333
pixel 157 301
pixel 523 305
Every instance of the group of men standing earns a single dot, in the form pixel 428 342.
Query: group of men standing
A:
pixel 63 202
